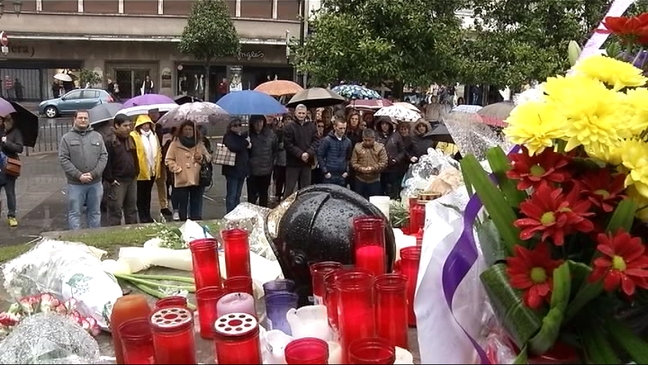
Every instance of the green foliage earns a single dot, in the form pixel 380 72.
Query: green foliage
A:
pixel 209 33
pixel 516 41
pixel 379 40
pixel 89 77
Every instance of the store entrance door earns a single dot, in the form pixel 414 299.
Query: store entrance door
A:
pixel 130 82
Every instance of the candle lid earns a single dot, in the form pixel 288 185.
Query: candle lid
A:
pixel 171 318
pixel 236 325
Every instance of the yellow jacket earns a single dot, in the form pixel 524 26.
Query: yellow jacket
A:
pixel 144 173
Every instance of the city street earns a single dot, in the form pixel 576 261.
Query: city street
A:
pixel 42 203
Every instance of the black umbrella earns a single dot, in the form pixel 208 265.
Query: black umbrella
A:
pixel 316 97
pixel 440 133
pixel 184 99
pixel 103 112
pixel 27 124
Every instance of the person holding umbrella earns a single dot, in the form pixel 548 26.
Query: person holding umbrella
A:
pixel 11 145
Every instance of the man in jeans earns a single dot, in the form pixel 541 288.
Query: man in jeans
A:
pixel 300 143
pixel 83 156
pixel 121 173
pixel 334 153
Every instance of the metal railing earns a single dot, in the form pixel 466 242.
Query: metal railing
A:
pixel 49 135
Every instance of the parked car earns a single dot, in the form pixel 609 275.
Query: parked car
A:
pixel 77 99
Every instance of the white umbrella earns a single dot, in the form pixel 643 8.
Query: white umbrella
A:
pixel 465 108
pixel 399 113
pixel 63 77
pixel 407 105
pixel 144 109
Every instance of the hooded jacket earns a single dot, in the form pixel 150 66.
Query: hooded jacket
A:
pixel 421 141
pixel 382 137
pixel 263 151
pixel 82 151
pixel 142 162
pixel 334 154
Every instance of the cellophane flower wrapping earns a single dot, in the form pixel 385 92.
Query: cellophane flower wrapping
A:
pixel 252 218
pixel 67 271
pixel 434 172
pixel 49 338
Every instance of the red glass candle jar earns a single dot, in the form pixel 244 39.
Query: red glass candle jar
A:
pixel 371 351
pixel 204 257
pixel 137 341
pixel 237 252
pixel 307 350
pixel 126 308
pixel 318 270
pixel 416 216
pixel 331 299
pixel 369 244
pixel 236 336
pixel 173 336
pixel 391 308
pixel 207 298
pixel 239 284
pixel 173 301
pixel 410 257
pixel 355 308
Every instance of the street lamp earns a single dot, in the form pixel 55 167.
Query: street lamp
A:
pixel 17 5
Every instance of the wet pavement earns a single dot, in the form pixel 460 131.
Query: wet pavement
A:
pixel 42 202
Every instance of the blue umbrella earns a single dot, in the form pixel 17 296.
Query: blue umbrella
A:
pixel 248 102
pixel 356 92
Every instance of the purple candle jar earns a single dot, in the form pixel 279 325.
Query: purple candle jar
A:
pixel 277 305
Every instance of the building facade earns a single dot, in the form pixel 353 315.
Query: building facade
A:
pixel 126 40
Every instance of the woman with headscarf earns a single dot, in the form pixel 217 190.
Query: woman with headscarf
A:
pixel 185 158
pixel 238 142
pixel 149 161
pixel 11 145
pixel 262 156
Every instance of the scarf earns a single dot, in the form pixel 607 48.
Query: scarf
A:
pixel 149 142
pixel 189 142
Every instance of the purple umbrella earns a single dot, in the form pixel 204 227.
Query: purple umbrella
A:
pixel 6 108
pixel 148 99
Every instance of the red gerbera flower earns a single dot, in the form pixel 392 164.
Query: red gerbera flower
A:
pixel 603 188
pixel 531 171
pixel 554 214
pixel 624 263
pixel 532 271
pixel 626 28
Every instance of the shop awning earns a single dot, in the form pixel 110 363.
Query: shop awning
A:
pixel 112 38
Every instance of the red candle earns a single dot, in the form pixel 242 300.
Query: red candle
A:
pixel 239 284
pixel 126 308
pixel 307 350
pixel 172 301
pixel 391 309
pixel 410 257
pixel 236 337
pixel 355 308
pixel 318 270
pixel 417 216
pixel 204 257
pixel 137 341
pixel 207 298
pixel 369 241
pixel 173 336
pixel 371 351
pixel 237 252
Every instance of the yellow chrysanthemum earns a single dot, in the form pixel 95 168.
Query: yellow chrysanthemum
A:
pixel 535 125
pixel 615 73
pixel 634 157
pixel 636 103
pixel 610 154
pixel 592 114
pixel 641 201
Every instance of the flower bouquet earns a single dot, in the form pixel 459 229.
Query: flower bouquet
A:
pixel 44 303
pixel 569 205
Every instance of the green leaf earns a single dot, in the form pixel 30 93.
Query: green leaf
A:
pixel 520 322
pixel 587 291
pixel 627 340
pixel 623 216
pixel 552 322
pixel 522 357
pixel 490 241
pixel 500 164
pixel 579 274
pixel 598 349
pixel 498 208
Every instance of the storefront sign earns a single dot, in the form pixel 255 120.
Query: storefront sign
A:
pixel 250 55
pixel 22 50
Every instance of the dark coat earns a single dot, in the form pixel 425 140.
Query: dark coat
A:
pixel 122 160
pixel 380 136
pixel 13 146
pixel 334 154
pixel 398 152
pixel 300 138
pixel 421 142
pixel 263 153
pixel 238 144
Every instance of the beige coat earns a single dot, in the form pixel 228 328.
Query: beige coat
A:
pixel 180 161
pixel 374 158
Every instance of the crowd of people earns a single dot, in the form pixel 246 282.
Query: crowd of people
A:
pixel 343 147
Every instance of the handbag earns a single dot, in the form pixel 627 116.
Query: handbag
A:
pixel 13 166
pixel 223 155
pixel 206 173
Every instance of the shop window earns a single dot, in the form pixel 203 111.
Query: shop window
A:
pixel 256 9
pixel 140 7
pixel 27 5
pixel 287 10
pixel 61 6
pixel 26 84
pixel 177 7
pixel 101 6
pixel 231 4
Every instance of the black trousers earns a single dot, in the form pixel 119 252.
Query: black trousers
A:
pixel 279 177
pixel 144 189
pixel 257 187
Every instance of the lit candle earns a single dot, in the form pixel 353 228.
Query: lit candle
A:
pixel 371 258
pixel 236 303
